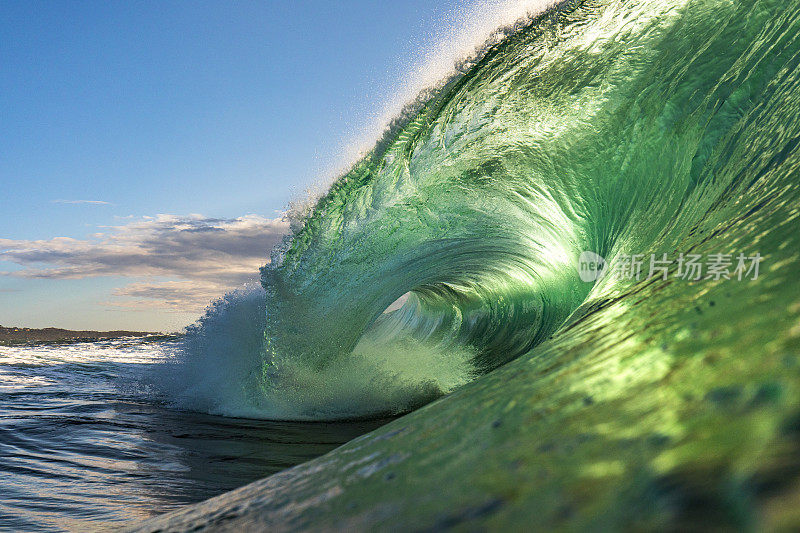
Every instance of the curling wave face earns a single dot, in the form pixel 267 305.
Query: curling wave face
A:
pixel 630 127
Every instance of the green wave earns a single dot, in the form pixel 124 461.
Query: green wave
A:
pixel 615 127
pixel 619 127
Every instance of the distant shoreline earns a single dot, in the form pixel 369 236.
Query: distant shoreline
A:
pixel 14 335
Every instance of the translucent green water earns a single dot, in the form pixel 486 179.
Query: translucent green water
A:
pixel 618 127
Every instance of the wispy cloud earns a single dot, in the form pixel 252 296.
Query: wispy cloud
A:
pixel 180 262
pixel 179 296
pixel 90 202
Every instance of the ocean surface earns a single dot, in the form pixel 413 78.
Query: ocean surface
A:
pixel 86 443
pixel 572 264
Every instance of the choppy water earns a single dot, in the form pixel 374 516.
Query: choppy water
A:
pixel 85 444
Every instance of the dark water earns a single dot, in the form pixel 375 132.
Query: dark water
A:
pixel 84 445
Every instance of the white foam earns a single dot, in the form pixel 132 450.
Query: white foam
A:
pixel 221 368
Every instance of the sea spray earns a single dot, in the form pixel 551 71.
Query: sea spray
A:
pixel 221 367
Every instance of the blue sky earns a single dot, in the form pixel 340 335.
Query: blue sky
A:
pixel 117 111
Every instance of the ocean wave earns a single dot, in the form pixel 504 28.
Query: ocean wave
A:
pixel 452 246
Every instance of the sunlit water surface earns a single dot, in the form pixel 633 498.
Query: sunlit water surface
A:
pixel 85 444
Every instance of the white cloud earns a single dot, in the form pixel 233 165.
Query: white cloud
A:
pixel 178 296
pixel 180 262
pixel 91 202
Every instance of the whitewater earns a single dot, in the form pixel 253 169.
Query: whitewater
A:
pixel 439 280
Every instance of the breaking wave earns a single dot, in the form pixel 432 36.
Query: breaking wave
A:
pixel 450 248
